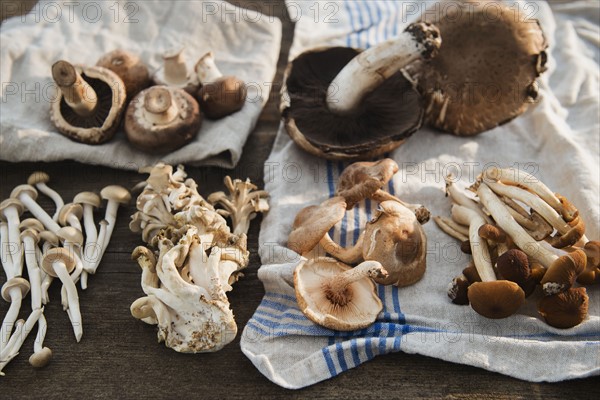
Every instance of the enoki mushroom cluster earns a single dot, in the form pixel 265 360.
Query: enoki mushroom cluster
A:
pixel 193 257
pixel 391 249
pixel 53 248
pixel 524 238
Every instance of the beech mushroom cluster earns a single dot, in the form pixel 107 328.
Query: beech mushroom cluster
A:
pixel 92 100
pixel 193 257
pixel 52 247
pixel 522 236
pixel 391 250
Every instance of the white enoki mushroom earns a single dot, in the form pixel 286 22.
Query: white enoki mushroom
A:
pixel 453 229
pixel 206 69
pixel 479 246
pixel 38 212
pixel 40 180
pixel 373 66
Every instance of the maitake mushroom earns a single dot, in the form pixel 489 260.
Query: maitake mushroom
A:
pixel 198 257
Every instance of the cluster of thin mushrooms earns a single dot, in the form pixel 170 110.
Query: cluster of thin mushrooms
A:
pixel 53 247
pixel 523 237
pixel 329 291
pixel 161 113
pixel 193 257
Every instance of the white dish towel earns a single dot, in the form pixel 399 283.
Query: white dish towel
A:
pixel 557 140
pixel 246 44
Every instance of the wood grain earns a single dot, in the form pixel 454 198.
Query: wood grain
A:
pixel 119 356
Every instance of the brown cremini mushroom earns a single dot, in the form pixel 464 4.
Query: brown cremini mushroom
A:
pixel 128 66
pixel 90 102
pixel 565 310
pixel 161 119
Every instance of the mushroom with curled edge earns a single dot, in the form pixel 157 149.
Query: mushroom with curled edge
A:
pixel 90 102
pixel 490 298
pixel 70 215
pixel 311 227
pixel 40 179
pixel 364 180
pixel 591 274
pixel 565 310
pixel 27 195
pixel 336 296
pixel 341 103
pixel 396 239
pixel 89 201
pixel 161 119
pixel 472 85
pixel 175 72
pixel 128 66
pixel 58 262
pixel 219 96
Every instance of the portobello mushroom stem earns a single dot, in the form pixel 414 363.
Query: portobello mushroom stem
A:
pixel 78 94
pixel 372 67
pixel 206 69
pixel 175 66
pixel 159 106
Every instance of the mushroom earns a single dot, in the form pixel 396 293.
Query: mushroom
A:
pixel 472 85
pixel 27 195
pixel 89 201
pixel 89 104
pixel 460 198
pixel 536 226
pixel 10 211
pixel 70 214
pixel 340 103
pixel 175 72
pixel 72 239
pixel 114 195
pixel 40 179
pixel 458 290
pixel 161 119
pixel 336 296
pixel 22 329
pixel 128 66
pixel 362 180
pixel 565 310
pixel 219 95
pixel 396 239
pixel 49 240
pixel 241 205
pixel 14 290
pixel 490 298
pixel 591 274
pixel 59 262
pixel 453 229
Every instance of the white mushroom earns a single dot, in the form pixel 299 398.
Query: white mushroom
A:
pixel 40 179
pixel 49 240
pixel 10 211
pixel 22 330
pixel 175 72
pixel 114 195
pixel 72 239
pixel 70 215
pixel 27 195
pixel 89 201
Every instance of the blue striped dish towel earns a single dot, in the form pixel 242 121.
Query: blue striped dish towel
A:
pixel 293 352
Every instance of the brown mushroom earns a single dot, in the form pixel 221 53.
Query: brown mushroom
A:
pixel 561 275
pixel 565 310
pixel 90 102
pixel 484 74
pixel 161 119
pixel 128 66
pixel 591 274
pixel 457 290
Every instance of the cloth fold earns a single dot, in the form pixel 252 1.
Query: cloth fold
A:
pixel 557 140
pixel 246 44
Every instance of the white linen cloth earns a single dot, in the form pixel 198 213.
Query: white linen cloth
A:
pixel 245 43
pixel 557 140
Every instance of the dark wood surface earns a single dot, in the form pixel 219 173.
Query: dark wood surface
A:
pixel 119 356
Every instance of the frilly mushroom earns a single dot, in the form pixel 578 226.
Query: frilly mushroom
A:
pixel 175 72
pixel 128 66
pixel 89 104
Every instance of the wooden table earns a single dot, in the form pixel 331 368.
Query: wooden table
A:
pixel 119 356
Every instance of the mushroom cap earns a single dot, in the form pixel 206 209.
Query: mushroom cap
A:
pixel 41 358
pixel 470 272
pixel 360 180
pixel 592 251
pixel 102 124
pixel 222 97
pixel 130 68
pixel 386 117
pixel 50 237
pixel 537 272
pixel 69 209
pixel 513 265
pixel 561 275
pixel 359 312
pixel 90 198
pixel 27 189
pixel 16 282
pixel 32 233
pixel 31 223
pixel 313 222
pixel 116 193
pixel 484 74
pixel 142 251
pixel 565 310
pixel 396 239
pixel 491 232
pixel 457 290
pixel 70 234
pixel 496 299
pixel 161 138
pixel 11 202
pixel 58 254
pixel 38 177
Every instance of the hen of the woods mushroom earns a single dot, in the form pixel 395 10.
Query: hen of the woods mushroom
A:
pixel 193 257
pixel 391 250
pixel 523 237
pixel 53 247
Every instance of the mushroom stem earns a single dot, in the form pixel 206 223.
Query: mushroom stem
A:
pixel 72 297
pixel 367 269
pixel 175 66
pixel 23 328
pixel 75 274
pixel 14 237
pixel 33 270
pixel 16 297
pixel 458 197
pixel 78 94
pixel 519 214
pixel 206 69
pixel 420 211
pixel 39 179
pixel 373 66
pixel 159 107
pixel 38 212
pixel 100 242
pixel 452 228
pixel 5 251
pixel 348 255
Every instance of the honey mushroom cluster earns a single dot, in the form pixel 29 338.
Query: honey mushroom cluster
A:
pixel 50 246
pixel 522 236
pixel 391 249
pixel 193 256
pixel 161 112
